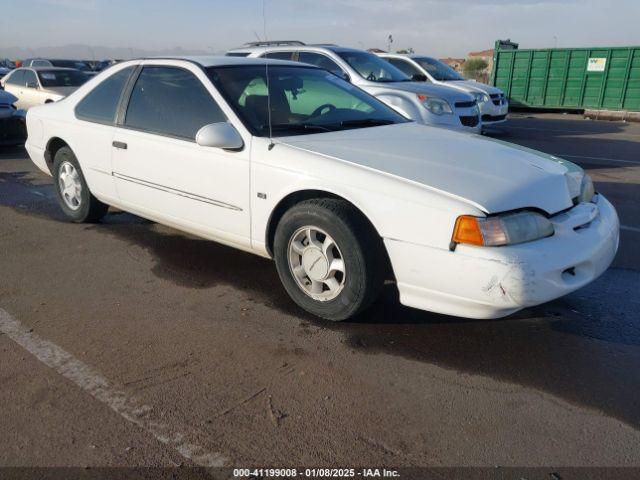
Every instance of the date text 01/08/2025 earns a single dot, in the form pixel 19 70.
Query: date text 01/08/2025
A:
pixel 315 473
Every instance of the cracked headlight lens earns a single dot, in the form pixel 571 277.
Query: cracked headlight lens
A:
pixel 499 230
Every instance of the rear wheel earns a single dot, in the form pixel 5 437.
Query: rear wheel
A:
pixel 72 191
pixel 329 258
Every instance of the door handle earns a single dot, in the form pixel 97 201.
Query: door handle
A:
pixel 120 145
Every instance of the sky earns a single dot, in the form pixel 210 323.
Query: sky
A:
pixel 436 27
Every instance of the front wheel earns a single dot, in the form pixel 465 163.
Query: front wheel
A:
pixel 329 258
pixel 72 191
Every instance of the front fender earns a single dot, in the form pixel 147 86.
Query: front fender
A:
pixel 396 208
pixel 403 105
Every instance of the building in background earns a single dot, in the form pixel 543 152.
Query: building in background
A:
pixel 455 63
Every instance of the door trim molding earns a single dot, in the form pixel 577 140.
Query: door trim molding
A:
pixel 174 191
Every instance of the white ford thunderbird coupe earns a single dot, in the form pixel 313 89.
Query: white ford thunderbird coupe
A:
pixel 291 162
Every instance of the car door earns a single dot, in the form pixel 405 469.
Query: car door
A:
pixel 31 93
pixel 14 84
pixel 161 172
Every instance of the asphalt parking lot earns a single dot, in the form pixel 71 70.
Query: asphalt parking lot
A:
pixel 127 343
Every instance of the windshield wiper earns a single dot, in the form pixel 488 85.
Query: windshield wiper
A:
pixel 295 127
pixel 366 122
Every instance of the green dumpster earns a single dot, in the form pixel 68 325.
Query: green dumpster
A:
pixel 568 78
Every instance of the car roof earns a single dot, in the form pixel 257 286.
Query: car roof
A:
pixel 288 48
pixel 48 69
pixel 223 61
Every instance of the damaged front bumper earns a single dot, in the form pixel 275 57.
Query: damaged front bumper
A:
pixel 492 282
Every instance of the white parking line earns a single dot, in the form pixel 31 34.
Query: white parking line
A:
pixel 630 229
pixel 100 388
pixel 600 159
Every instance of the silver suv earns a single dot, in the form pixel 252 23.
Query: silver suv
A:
pixel 492 101
pixel 429 104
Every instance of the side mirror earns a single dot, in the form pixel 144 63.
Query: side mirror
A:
pixel 220 135
pixel 419 77
pixel 32 85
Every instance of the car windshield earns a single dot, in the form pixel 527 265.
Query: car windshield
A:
pixel 302 100
pixel 438 70
pixel 373 68
pixel 61 78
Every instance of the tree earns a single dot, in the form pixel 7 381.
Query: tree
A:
pixel 474 67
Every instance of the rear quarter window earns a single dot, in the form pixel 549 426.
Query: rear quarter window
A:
pixel 101 103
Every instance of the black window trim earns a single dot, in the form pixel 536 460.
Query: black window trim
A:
pixel 93 120
pixel 121 111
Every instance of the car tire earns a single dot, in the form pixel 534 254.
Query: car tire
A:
pixel 328 242
pixel 73 194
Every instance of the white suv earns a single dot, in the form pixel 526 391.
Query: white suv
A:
pixel 428 104
pixel 492 101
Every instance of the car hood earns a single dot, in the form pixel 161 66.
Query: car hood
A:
pixel 493 176
pixel 63 91
pixel 452 95
pixel 471 86
pixel 7 98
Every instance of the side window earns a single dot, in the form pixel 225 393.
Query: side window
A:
pixel 30 79
pixel 321 61
pixel 404 66
pixel 278 55
pixel 40 63
pixel 16 78
pixel 171 101
pixel 101 103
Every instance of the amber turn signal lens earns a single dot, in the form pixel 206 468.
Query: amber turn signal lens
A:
pixel 467 230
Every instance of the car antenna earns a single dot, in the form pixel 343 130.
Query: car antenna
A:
pixel 266 67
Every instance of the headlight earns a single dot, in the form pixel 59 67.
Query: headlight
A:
pixel 587 190
pixel 506 229
pixel 435 105
pixel 480 97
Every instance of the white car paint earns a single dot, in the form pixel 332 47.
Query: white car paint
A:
pixel 402 96
pixel 494 108
pixel 411 181
pixel 31 95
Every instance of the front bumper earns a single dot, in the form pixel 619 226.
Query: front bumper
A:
pixel 492 282
pixel 494 111
pixel 462 119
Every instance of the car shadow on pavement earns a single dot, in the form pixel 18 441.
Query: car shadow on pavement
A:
pixel 578 348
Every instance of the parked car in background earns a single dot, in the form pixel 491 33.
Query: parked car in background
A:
pixel 104 64
pixel 38 85
pixel 6 66
pixel 54 62
pixel 5 62
pixel 289 161
pixel 12 121
pixel 492 101
pixel 428 104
